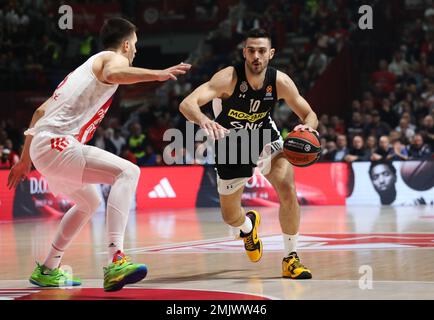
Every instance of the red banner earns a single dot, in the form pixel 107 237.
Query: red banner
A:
pixel 30 199
pixel 6 197
pixel 169 187
pixel 320 184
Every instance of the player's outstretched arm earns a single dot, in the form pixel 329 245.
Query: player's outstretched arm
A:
pixel 289 92
pixel 116 70
pixel 22 168
pixel 218 86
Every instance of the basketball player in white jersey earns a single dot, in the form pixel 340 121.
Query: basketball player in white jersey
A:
pixel 55 143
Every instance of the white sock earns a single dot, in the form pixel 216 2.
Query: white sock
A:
pixel 118 209
pixel 86 202
pixel 290 242
pixel 53 258
pixel 247 226
pixel 116 242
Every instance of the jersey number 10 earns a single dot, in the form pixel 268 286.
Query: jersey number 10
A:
pixel 254 105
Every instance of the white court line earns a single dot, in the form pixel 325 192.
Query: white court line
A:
pixel 177 244
pixel 197 243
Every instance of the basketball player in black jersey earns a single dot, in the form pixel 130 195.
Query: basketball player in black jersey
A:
pixel 243 97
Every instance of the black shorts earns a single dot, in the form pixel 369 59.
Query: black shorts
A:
pixel 231 177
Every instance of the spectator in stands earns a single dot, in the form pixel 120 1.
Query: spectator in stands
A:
pixel 367 120
pixel 384 152
pixel 337 124
pixel 181 89
pixel 317 62
pixel 206 10
pixel 356 126
pixel 395 135
pixel 371 143
pixel 341 148
pixel 407 115
pixel 330 146
pixel 428 95
pixel 368 104
pixel 382 79
pixel 4 159
pixel 152 158
pixel 418 150
pixel 400 152
pixel 127 154
pixel 137 143
pixel 414 75
pixel 50 54
pixel 358 152
pixel 327 148
pixel 387 114
pixel 13 156
pixel 87 45
pixel 157 130
pixel 324 119
pixel 118 141
pixel 247 22
pixel 31 65
pixel 398 66
pixel 404 129
pixel 331 134
pixel 3 137
pixel 100 140
pixel 377 127
pixel 356 106
pixel 427 130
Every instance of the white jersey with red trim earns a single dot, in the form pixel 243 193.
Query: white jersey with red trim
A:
pixel 78 104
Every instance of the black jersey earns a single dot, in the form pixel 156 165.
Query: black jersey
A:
pixel 246 110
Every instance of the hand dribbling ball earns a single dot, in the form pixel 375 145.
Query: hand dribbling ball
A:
pixel 302 148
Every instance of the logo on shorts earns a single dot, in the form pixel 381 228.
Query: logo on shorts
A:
pixel 59 144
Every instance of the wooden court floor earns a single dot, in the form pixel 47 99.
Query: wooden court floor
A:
pixel 353 252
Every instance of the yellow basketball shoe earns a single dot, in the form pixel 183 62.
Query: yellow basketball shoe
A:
pixel 252 243
pixel 292 268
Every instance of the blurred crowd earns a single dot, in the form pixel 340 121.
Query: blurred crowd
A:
pixel 393 119
pixel 33 51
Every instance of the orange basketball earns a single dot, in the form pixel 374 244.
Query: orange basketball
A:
pixel 302 148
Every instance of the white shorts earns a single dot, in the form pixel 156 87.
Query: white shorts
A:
pixel 60 160
pixel 270 151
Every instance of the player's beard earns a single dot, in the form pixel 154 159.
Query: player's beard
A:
pixel 257 70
